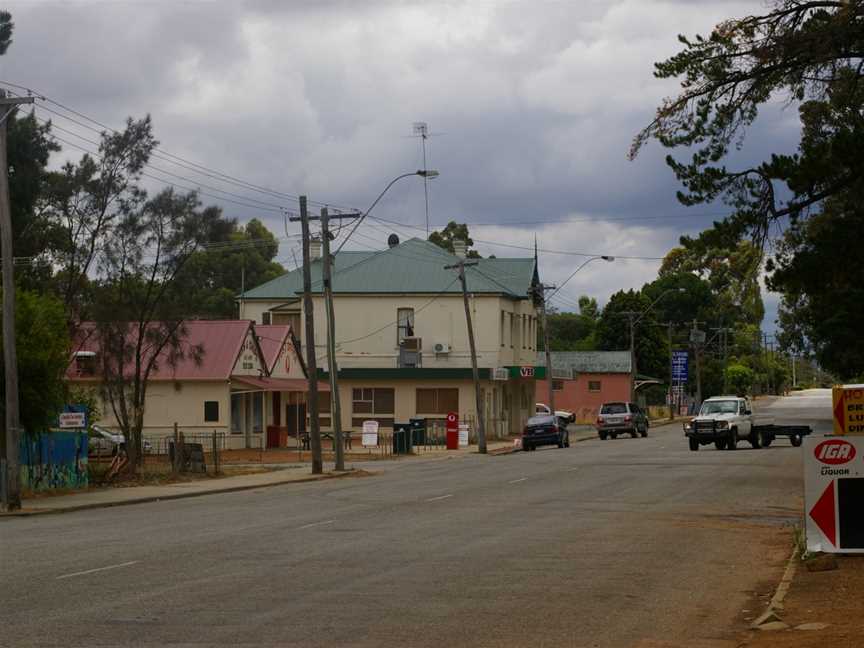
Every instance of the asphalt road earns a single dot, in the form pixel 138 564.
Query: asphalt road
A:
pixel 607 543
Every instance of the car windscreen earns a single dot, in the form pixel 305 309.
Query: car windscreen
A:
pixel 540 420
pixel 614 408
pixel 719 407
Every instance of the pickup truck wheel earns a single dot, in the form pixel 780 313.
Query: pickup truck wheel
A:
pixel 795 440
pixel 754 440
pixel 527 447
pixel 766 440
pixel 567 440
pixel 603 436
pixel 614 435
pixel 694 444
pixel 720 444
pixel 732 442
pixel 644 431
pixel 634 434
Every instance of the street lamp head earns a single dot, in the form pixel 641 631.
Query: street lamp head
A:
pixel 427 173
pixel 607 258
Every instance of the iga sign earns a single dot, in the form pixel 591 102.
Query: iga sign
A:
pixel 834 494
pixel 848 403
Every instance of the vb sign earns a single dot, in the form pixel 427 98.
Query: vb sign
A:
pixel 526 372
pixel 834 494
pixel 848 403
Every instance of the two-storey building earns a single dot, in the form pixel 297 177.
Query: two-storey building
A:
pixel 401 337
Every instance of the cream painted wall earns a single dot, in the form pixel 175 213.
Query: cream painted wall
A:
pixel 366 332
pixel 166 405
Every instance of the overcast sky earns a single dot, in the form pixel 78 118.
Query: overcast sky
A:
pixel 532 106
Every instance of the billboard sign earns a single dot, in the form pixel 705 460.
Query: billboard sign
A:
pixel 680 366
pixel 834 493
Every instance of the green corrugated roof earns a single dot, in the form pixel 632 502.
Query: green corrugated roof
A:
pixel 415 266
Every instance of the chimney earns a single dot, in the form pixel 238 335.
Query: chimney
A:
pixel 314 249
pixel 459 248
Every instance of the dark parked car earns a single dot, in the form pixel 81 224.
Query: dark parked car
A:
pixel 622 418
pixel 544 430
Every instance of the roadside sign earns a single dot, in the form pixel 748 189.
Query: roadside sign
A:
pixel 73 420
pixel 526 372
pixel 848 405
pixel 370 434
pixel 697 336
pixel 834 493
pixel 679 366
pixel 463 435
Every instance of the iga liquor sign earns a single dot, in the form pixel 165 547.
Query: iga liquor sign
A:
pixel 834 494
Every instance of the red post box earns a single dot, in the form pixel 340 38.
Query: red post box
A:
pixel 452 431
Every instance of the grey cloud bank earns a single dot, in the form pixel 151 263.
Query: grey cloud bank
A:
pixel 535 103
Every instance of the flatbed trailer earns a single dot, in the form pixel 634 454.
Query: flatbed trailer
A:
pixel 795 433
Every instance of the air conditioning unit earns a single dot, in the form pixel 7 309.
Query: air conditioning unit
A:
pixel 441 347
pixel 412 344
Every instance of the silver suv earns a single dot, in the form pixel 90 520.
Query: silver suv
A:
pixel 622 418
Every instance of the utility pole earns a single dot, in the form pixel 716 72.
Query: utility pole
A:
pixel 631 316
pixel 481 430
pixel 541 289
pixel 11 473
pixel 335 404
pixel 332 367
pixel 311 364
pixel 671 374
pixel 697 358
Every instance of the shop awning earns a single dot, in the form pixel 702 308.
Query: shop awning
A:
pixel 276 384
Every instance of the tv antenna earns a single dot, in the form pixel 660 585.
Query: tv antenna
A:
pixel 421 130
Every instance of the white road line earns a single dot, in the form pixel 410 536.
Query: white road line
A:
pixel 516 481
pixel 314 524
pixel 440 497
pixel 98 569
pixel 574 469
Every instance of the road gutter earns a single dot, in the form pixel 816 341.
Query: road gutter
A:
pixel 172 496
pixel 770 616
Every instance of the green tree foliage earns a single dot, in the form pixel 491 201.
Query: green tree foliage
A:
pixel 42 343
pixel 6 28
pixel 214 276
pixel 613 333
pixel 809 53
pixel 85 201
pixel 452 232
pixel 573 331
pixel 739 378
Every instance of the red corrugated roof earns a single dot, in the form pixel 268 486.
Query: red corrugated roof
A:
pixel 220 341
pixel 271 338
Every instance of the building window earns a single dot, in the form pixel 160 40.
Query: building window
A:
pixel 557 385
pixel 236 413
pixel 368 404
pixel 265 318
pixel 258 412
pixel 512 329
pixel 437 401
pixel 503 315
pixel 593 385
pixel 211 411
pixel 524 330
pixel 404 324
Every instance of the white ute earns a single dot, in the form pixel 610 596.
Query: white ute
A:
pixel 723 421
pixel 543 408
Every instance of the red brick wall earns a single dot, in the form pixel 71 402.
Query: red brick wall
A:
pixel 576 398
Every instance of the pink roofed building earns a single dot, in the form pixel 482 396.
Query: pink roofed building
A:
pixel 231 377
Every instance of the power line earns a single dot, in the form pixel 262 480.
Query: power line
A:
pixel 531 248
pixel 169 183
pixel 165 171
pixel 160 153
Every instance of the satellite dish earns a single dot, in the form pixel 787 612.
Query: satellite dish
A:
pixel 392 240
